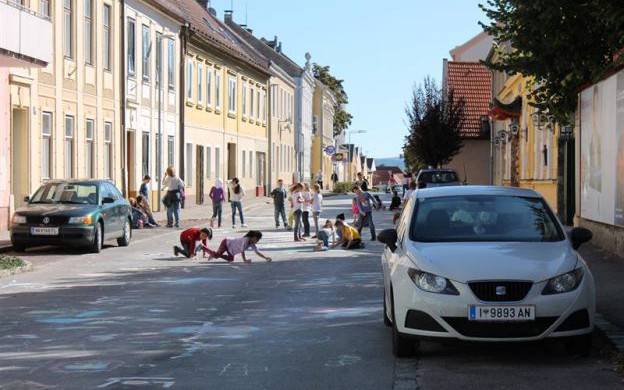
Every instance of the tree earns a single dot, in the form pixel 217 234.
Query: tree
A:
pixel 342 118
pixel 562 45
pixel 435 122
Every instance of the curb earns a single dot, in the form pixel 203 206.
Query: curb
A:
pixel 25 268
pixel 612 332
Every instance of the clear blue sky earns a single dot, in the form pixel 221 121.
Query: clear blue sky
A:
pixel 379 48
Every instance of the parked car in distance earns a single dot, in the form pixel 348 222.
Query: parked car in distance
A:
pixel 485 264
pixel 73 213
pixel 437 178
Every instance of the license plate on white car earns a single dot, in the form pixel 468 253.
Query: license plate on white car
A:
pixel 44 231
pixel 501 313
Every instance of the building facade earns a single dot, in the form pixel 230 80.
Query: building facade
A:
pixel 151 104
pixel 225 132
pixel 304 102
pixel 323 134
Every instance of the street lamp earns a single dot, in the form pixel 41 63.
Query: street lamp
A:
pixel 358 131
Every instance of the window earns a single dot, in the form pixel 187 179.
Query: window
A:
pixel 208 87
pixel 258 107
pixel 131 47
pixel 264 101
pixel 145 153
pixel 158 58
pixel 232 94
pixel 106 37
pixel 170 64
pixel 189 80
pixel 244 99
pixel 146 53
pixel 46 145
pixel 200 76
pixel 170 150
pixel 68 29
pixel 250 163
pixel 244 165
pixel 217 162
pixel 108 150
pixel 217 89
pixel 89 150
pixel 88 31
pixel 44 7
pixel 69 147
pixel 251 105
pixel 208 162
pixel 189 164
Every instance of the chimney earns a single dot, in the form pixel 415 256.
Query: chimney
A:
pixel 279 47
pixel 228 15
pixel 204 3
pixel 212 12
pixel 249 30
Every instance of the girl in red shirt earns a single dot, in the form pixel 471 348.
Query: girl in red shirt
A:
pixel 189 238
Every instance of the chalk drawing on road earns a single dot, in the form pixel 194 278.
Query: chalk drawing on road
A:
pixel 240 370
pixel 88 366
pixel 102 337
pixel 342 360
pixel 150 382
pixel 27 385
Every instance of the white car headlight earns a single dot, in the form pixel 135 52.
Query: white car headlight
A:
pixel 432 283
pixel 564 283
pixel 84 220
pixel 17 219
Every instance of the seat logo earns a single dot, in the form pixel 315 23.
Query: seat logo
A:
pixel 46 220
pixel 501 290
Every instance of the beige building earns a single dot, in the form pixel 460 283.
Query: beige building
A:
pixel 25 47
pixel 225 132
pixel 323 133
pixel 64 116
pixel 151 106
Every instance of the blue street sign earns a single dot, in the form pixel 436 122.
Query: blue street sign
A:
pixel 330 149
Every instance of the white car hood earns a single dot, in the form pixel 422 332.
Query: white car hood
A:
pixel 471 261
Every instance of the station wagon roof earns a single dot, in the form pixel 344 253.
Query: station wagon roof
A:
pixel 474 190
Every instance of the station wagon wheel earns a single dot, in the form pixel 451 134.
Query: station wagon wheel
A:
pixel 96 246
pixel 124 240
pixel 401 345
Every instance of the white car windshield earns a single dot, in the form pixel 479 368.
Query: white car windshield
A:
pixel 483 218
pixel 72 193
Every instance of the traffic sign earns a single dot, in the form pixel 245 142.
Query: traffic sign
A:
pixel 330 149
pixel 338 157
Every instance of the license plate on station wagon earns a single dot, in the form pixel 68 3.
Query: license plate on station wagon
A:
pixel 44 231
pixel 501 313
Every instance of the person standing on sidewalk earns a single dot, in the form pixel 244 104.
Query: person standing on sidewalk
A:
pixel 317 206
pixel 296 201
pixel 365 203
pixel 144 188
pixel 279 198
pixel 305 215
pixel 173 197
pixel 218 197
pixel 237 193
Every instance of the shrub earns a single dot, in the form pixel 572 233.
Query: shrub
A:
pixel 342 187
pixel 10 262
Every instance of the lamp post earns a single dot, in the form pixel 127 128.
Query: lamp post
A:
pixel 359 131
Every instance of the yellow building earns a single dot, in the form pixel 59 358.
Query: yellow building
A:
pixel 323 133
pixel 65 116
pixel 525 152
pixel 225 131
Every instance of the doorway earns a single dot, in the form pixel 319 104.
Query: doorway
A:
pixel 199 172
pixel 20 173
pixel 231 166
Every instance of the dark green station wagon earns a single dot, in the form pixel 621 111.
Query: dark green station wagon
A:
pixel 73 213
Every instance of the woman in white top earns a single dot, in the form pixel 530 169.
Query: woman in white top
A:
pixel 296 201
pixel 173 197
pixel 317 205
pixel 305 215
pixel 237 193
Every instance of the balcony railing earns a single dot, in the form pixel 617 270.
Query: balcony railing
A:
pixel 25 36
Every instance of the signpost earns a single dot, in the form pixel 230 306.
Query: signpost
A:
pixel 330 149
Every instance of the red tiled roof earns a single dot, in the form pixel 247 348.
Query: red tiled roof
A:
pixel 210 29
pixel 471 81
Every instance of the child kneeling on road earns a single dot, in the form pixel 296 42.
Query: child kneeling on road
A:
pixel 189 238
pixel 230 247
pixel 350 238
pixel 324 234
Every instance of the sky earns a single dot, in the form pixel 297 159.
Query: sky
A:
pixel 381 49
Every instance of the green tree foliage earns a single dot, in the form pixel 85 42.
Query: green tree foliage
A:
pixel 434 123
pixel 562 44
pixel 342 118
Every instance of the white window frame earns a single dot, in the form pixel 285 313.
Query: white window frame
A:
pixel 68 28
pixel 264 101
pixel 146 52
pixel 217 161
pixel 189 80
pixel 232 94
pixel 90 148
pixel 46 143
pixel 217 89
pixel 170 64
pixel 251 102
pixel 108 150
pixel 69 130
pixel 87 11
pixel 189 164
pixel 209 72
pixel 244 99
pixel 131 47
pixel 107 18
pixel 243 165
pixel 200 80
pixel 208 162
pixel 258 105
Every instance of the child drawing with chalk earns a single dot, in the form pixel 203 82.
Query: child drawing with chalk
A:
pixel 230 247
pixel 189 238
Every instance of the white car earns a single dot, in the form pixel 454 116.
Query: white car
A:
pixel 487 264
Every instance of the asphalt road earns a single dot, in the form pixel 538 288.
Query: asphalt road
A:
pixel 138 318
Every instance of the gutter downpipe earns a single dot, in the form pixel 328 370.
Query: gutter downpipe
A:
pixel 122 87
pixel 270 146
pixel 184 39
